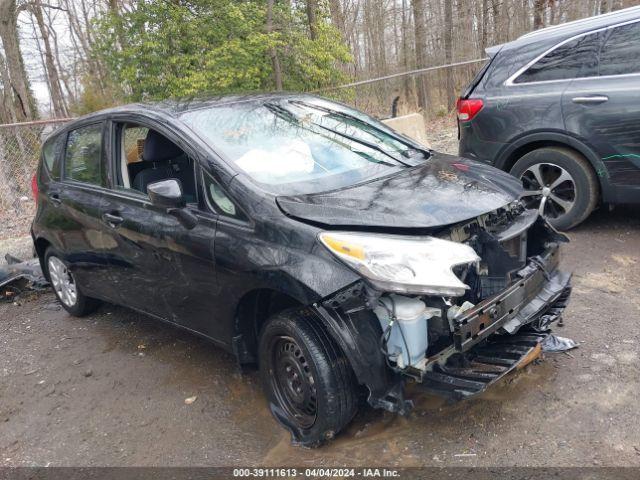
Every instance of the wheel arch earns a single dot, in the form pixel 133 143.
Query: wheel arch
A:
pixel 520 147
pixel 41 244
pixel 354 329
pixel 252 311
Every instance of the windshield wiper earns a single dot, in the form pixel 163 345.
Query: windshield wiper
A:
pixel 370 145
pixel 412 147
pixel 282 112
pixel 290 116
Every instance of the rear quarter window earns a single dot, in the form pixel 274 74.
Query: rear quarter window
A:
pixel 620 54
pixel 578 58
pixel 51 151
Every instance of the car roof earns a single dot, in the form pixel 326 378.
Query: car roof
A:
pixel 175 107
pixel 566 30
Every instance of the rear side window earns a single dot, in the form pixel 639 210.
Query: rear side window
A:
pixel 51 151
pixel 621 52
pixel 577 58
pixel 83 156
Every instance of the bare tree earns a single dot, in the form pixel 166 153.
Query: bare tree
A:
pixel 448 51
pixel 51 69
pixel 420 35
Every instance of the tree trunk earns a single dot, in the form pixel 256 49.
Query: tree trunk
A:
pixel 484 23
pixel 538 14
pixel 448 53
pixel 273 53
pixel 24 102
pixel 312 10
pixel 337 17
pixel 7 113
pixel 420 33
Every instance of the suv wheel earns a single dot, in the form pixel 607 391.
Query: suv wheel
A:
pixel 558 182
pixel 66 288
pixel 309 382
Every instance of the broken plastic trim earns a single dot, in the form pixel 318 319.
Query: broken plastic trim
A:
pixel 17 276
pixel 467 374
pixel 523 302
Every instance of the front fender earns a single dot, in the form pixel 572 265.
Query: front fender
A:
pixel 356 330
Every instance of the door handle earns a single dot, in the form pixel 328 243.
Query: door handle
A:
pixel 591 100
pixel 112 219
pixel 55 199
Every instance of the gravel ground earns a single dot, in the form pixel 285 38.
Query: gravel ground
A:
pixel 110 389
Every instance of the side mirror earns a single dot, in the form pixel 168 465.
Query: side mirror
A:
pixel 167 195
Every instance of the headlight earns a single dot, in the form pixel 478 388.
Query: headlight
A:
pixel 417 265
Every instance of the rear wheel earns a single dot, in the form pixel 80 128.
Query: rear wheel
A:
pixel 559 183
pixel 309 382
pixel 65 286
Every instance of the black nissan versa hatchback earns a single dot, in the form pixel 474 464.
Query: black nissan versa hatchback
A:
pixel 340 257
pixel 559 108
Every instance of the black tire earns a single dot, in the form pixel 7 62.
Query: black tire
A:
pixel 296 335
pixel 585 191
pixel 82 305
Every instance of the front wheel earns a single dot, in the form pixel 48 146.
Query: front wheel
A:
pixel 309 382
pixel 559 183
pixel 65 286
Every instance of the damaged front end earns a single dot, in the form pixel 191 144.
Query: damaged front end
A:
pixel 453 312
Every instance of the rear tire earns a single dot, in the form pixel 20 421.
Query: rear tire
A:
pixel 68 292
pixel 308 380
pixel 567 202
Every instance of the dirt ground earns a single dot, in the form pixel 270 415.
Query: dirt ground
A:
pixel 110 389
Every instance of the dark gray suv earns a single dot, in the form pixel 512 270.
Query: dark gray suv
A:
pixel 559 108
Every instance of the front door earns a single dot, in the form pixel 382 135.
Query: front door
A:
pixel 159 266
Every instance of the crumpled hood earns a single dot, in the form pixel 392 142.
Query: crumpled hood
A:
pixel 443 190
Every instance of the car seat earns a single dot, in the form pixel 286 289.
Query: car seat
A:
pixel 162 159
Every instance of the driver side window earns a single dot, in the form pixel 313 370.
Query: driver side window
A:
pixel 146 156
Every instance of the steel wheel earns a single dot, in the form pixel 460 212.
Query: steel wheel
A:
pixel 293 382
pixel 549 188
pixel 62 281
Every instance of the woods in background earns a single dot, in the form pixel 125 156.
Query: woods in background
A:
pixel 82 55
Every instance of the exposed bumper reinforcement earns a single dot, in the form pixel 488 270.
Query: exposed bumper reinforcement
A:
pixel 539 288
pixel 467 374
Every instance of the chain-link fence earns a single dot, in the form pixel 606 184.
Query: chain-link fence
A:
pixel 19 152
pixel 428 90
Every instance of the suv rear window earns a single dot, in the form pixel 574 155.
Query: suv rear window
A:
pixel 577 58
pixel 621 52
pixel 83 156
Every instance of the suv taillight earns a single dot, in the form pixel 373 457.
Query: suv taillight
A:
pixel 34 186
pixel 468 108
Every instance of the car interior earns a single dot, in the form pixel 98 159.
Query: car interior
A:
pixel 148 156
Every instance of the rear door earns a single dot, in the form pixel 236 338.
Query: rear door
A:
pixel 603 110
pixel 530 100
pixel 79 199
